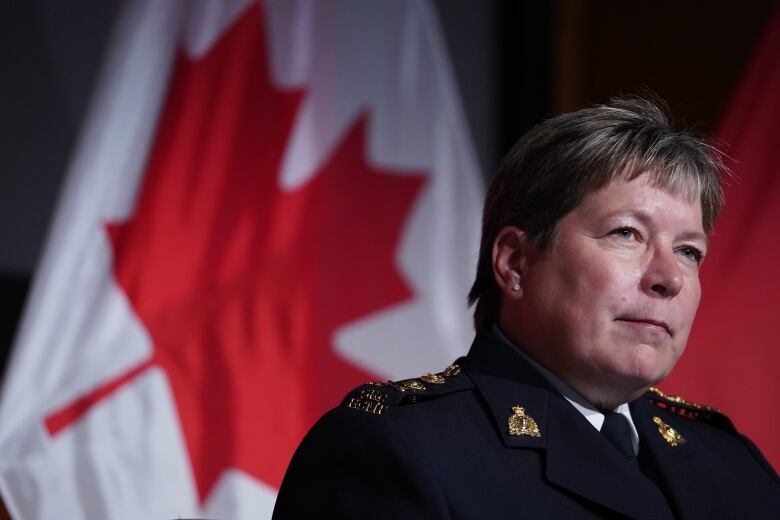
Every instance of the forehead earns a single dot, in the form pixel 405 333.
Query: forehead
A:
pixel 642 197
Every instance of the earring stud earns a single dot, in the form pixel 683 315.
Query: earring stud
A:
pixel 516 287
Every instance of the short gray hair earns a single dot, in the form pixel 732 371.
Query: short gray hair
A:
pixel 556 164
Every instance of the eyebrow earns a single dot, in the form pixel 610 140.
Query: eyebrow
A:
pixel 647 220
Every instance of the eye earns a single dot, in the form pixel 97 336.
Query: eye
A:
pixel 692 253
pixel 626 232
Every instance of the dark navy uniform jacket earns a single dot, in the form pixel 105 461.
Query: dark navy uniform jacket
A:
pixel 440 447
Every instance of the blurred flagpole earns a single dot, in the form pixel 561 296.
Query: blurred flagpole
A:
pixel 268 204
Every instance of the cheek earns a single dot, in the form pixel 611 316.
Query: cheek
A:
pixel 695 294
pixel 610 283
pixel 689 304
pixel 588 298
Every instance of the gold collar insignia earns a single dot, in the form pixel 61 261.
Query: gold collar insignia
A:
pixel 669 434
pixel 522 424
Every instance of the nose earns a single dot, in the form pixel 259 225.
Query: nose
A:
pixel 663 276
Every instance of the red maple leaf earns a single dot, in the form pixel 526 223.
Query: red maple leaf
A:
pixel 239 283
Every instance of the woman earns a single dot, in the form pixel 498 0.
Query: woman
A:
pixel 587 285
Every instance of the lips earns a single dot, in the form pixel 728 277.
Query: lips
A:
pixel 646 321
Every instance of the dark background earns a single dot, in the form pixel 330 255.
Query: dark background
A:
pixel 516 62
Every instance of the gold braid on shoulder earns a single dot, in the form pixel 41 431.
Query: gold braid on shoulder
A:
pixel 695 411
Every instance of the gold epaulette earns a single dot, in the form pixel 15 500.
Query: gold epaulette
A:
pixel 425 382
pixel 677 405
pixel 378 397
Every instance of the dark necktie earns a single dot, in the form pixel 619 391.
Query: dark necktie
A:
pixel 617 431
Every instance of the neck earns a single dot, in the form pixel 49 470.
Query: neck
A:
pixel 603 397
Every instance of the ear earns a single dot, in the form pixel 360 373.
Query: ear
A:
pixel 509 260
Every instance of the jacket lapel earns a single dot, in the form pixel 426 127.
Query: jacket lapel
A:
pixel 672 464
pixel 581 460
pixel 578 458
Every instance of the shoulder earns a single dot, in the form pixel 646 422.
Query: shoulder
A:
pixel 382 411
pixel 677 405
pixel 366 454
pixel 708 423
pixel 390 416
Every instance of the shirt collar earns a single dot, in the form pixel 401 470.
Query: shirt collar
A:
pixel 594 417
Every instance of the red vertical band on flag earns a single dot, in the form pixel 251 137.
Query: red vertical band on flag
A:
pixel 732 359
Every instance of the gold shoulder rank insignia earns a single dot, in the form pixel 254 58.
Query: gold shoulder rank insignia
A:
pixel 370 400
pixel 451 371
pixel 381 398
pixel 679 400
pixel 669 434
pixel 417 384
pixel 679 406
pixel 522 424
pixel 434 379
pixel 411 384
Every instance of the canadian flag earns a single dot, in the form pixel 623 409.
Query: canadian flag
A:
pixel 270 203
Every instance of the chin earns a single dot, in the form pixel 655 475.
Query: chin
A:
pixel 646 368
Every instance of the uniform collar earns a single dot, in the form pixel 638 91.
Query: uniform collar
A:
pixel 594 416
pixel 578 458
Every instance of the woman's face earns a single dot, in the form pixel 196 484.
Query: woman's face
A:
pixel 609 307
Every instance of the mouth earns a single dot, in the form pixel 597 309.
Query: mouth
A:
pixel 646 322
